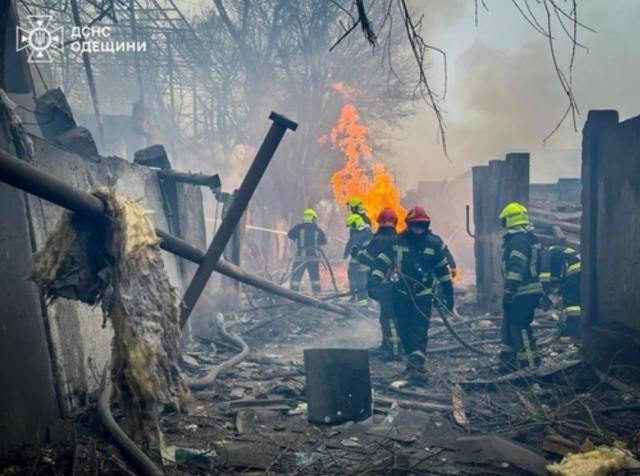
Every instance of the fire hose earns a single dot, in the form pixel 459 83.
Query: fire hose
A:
pixel 138 458
pixel 330 269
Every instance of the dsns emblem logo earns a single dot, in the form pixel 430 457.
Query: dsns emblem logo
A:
pixel 39 39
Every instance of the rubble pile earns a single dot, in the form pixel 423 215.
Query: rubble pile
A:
pixel 468 420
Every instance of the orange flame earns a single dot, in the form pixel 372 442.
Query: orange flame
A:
pixel 377 187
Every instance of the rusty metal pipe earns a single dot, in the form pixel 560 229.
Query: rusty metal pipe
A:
pixel 30 179
pixel 234 214
pixel 211 181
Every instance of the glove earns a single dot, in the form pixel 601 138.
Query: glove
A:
pixel 507 300
pixel 448 299
pixel 356 249
pixel 454 272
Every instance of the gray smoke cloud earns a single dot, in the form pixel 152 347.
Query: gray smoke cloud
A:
pixel 504 94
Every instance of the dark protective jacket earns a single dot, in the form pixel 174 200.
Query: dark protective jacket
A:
pixel 521 263
pixel 447 252
pixel 559 262
pixel 357 237
pixel 416 259
pixel 308 237
pixel 369 253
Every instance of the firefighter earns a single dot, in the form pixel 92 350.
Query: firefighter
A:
pixel 521 264
pixel 451 264
pixel 411 259
pixel 309 238
pixel 361 234
pixel 356 205
pixel 561 267
pixel 387 222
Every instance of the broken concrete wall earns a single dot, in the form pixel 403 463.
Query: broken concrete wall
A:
pixel 611 239
pixel 80 347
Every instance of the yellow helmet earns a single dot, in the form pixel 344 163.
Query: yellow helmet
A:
pixel 355 221
pixel 309 215
pixel 356 204
pixel 514 215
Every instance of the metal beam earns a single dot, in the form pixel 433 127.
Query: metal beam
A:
pixel 236 209
pixel 30 179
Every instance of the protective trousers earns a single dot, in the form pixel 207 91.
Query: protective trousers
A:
pixel 298 268
pixel 518 348
pixel 390 334
pixel 358 275
pixel 413 316
pixel 571 301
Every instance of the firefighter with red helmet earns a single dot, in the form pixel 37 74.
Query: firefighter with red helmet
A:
pixel 410 261
pixel 387 222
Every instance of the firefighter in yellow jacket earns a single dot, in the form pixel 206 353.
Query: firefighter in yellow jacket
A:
pixel 521 264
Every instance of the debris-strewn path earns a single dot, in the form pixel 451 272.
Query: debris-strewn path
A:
pixel 253 418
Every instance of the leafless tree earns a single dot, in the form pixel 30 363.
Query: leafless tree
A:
pixel 272 55
pixel 551 18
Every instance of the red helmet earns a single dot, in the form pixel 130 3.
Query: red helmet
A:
pixel 387 217
pixel 417 215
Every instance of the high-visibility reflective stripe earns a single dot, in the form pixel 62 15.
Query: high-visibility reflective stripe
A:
pixel 295 283
pixel 570 251
pixel 394 339
pixel 507 349
pixel 386 259
pixel 302 243
pixel 517 254
pixel 545 276
pixel 442 263
pixel 315 282
pixel 445 278
pixel 420 354
pixel 574 268
pixel 378 273
pixel 515 276
pixel 532 288
pixel 429 251
pixel 426 292
pixel 527 348
pixel 400 250
pixel 368 256
pixel 362 302
pixel 573 311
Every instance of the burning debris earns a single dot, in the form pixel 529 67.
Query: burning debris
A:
pixel 116 263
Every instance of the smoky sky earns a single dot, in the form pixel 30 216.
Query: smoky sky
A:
pixel 503 92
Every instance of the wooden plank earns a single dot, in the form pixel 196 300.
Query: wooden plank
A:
pixel 556 444
pixel 562 216
pixel 458 406
pixel 424 406
pixel 565 225
pixel 558 234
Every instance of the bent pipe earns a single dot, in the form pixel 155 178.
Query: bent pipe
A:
pixel 30 179
pixel 468 224
pixel 138 458
pixel 206 381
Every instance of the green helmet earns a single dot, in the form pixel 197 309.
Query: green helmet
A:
pixel 355 221
pixel 309 215
pixel 514 215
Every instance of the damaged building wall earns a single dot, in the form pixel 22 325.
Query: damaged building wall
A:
pixel 80 348
pixel 611 238
pixel 27 398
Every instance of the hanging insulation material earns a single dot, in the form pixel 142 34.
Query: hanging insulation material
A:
pixel 116 262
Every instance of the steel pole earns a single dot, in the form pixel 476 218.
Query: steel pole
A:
pixel 234 214
pixel 34 181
